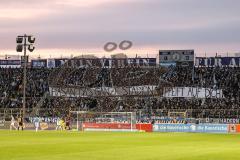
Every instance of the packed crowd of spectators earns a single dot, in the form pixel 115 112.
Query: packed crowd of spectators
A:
pixel 11 87
pixel 226 79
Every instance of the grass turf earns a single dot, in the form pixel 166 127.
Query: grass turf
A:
pixel 56 145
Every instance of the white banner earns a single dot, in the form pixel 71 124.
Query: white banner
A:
pixel 102 91
pixel 192 92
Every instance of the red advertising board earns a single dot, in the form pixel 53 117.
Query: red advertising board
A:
pixel 145 127
pixel 107 125
pixel 234 128
pixel 238 128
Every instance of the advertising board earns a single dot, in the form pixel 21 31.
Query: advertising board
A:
pixel 202 128
pixel 107 125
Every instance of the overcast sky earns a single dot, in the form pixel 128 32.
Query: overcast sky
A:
pixel 68 27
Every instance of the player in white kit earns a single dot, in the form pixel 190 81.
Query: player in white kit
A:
pixel 58 124
pixel 36 123
pixel 12 125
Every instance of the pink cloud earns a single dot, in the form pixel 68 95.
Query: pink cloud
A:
pixel 85 25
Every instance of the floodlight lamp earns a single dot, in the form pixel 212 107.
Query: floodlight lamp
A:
pixel 19 39
pixel 31 39
pixel 31 48
pixel 19 48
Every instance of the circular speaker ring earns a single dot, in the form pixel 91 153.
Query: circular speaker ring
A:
pixel 110 46
pixel 124 45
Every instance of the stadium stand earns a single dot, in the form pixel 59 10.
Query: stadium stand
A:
pixel 225 78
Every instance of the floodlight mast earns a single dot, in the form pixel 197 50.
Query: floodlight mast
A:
pixel 22 44
pixel 24 78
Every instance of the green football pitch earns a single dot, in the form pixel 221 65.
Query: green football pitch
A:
pixel 56 145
